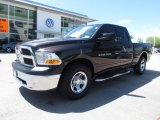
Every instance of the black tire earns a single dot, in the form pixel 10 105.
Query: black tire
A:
pixel 8 50
pixel 70 81
pixel 140 68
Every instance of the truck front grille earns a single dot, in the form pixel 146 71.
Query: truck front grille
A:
pixel 25 56
pixel 25 51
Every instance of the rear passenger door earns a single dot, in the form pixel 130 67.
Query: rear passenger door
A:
pixel 126 52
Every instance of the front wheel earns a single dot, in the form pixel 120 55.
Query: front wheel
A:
pixel 141 66
pixel 75 81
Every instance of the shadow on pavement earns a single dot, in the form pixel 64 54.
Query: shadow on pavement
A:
pixel 100 94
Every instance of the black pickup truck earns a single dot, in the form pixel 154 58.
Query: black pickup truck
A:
pixel 86 54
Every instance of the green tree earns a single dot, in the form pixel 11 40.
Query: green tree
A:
pixel 151 40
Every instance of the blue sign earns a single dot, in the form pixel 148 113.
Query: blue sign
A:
pixel 49 22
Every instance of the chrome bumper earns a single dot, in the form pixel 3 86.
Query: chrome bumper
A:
pixel 36 82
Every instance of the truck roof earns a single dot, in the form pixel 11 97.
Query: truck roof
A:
pixel 109 24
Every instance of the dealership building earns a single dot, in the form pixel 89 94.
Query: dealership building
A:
pixel 24 20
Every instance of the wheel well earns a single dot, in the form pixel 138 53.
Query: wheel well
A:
pixel 144 55
pixel 82 61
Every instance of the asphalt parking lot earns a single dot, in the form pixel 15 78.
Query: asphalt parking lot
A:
pixel 129 97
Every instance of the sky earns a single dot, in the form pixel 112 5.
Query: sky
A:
pixel 141 17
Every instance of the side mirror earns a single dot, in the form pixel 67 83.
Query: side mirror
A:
pixel 107 36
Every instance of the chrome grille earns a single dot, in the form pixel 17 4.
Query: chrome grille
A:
pixel 25 56
pixel 26 52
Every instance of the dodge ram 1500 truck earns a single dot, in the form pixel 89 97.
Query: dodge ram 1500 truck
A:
pixel 86 54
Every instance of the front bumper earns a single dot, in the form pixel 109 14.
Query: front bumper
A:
pixel 37 78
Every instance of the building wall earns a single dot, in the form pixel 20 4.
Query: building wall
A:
pixel 18 5
pixel 42 28
pixel 22 28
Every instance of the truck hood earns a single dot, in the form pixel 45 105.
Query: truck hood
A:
pixel 51 43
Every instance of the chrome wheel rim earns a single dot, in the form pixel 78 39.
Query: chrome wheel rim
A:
pixel 79 82
pixel 143 65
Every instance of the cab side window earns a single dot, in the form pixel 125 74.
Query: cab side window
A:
pixel 108 29
pixel 121 34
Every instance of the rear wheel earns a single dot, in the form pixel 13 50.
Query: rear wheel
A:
pixel 75 81
pixel 141 66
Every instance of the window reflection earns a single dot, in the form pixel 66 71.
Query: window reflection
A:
pixel 32 16
pixel 3 10
pixel 14 38
pixel 68 24
pixel 11 12
pixel 31 31
pixel 23 29
pixel 21 14
pixel 22 24
pixel 12 27
pixel 3 39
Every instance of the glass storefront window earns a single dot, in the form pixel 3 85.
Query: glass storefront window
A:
pixel 11 12
pixel 3 11
pixel 66 30
pixel 23 37
pixel 22 25
pixel 18 30
pixel 48 35
pixel 64 18
pixel 67 24
pixel 31 37
pixel 14 38
pixel 3 39
pixel 31 31
pixel 21 14
pixel 12 28
pixel 32 16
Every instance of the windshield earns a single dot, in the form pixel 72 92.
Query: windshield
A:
pixel 83 31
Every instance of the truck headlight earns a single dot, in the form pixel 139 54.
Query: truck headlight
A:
pixel 18 52
pixel 44 58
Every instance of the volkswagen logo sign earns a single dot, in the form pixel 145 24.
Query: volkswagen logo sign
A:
pixel 49 22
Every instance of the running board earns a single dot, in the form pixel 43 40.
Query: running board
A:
pixel 117 75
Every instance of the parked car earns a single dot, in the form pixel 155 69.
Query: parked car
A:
pixel 156 50
pixel 9 47
pixel 86 54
